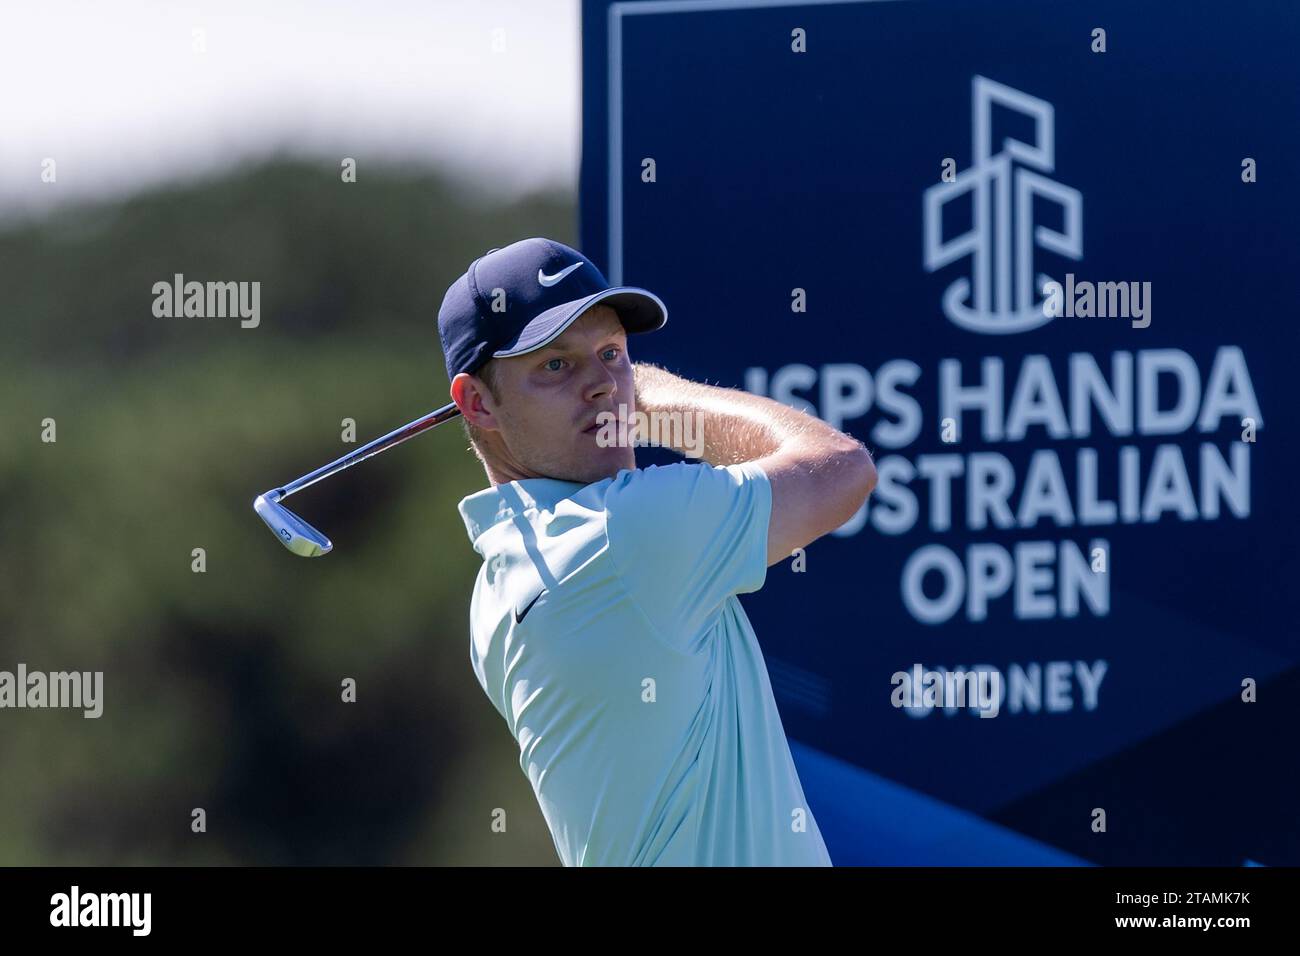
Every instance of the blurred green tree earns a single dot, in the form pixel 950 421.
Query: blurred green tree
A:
pixel 222 689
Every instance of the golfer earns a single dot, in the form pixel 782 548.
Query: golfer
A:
pixel 604 624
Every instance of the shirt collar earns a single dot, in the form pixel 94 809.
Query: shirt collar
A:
pixel 483 509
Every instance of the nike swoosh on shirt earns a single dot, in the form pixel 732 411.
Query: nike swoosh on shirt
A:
pixel 549 281
pixel 519 615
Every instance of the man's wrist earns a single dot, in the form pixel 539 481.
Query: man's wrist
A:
pixel 652 383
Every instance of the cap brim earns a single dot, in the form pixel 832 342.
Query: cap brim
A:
pixel 638 309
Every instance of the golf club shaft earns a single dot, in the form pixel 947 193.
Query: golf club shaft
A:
pixel 396 437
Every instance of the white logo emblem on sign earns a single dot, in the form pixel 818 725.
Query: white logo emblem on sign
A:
pixel 1002 197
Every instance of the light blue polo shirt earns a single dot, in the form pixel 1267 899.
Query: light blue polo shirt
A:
pixel 606 630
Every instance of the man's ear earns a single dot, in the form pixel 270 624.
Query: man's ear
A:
pixel 474 400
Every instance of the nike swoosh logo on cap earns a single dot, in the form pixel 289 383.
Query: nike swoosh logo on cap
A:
pixel 549 281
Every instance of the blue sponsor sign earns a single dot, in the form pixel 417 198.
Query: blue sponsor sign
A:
pixel 1041 258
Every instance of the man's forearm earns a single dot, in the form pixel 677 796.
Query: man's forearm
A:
pixel 737 426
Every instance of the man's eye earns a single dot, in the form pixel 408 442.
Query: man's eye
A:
pixel 611 353
pixel 554 365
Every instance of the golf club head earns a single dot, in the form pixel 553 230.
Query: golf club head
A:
pixel 294 533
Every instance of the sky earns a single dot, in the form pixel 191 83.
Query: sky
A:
pixel 126 94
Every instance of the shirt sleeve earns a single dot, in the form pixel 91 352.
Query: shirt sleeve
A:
pixel 685 537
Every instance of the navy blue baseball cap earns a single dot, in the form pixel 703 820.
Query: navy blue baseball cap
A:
pixel 519 298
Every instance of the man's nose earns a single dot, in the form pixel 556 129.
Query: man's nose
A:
pixel 600 382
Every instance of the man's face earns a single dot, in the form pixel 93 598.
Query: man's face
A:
pixel 543 421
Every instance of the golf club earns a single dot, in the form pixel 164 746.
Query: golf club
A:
pixel 300 537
